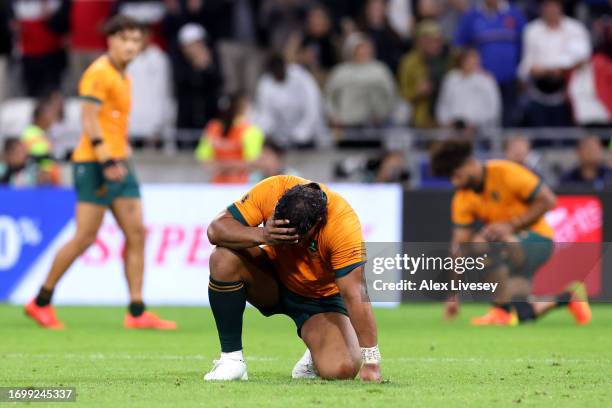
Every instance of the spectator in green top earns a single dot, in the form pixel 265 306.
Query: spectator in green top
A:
pixel 421 72
pixel 48 111
pixel 15 167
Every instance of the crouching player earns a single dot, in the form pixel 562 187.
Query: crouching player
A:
pixel 293 247
pixel 509 202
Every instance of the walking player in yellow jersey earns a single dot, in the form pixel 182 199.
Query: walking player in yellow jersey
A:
pixel 294 247
pixel 509 202
pixel 103 178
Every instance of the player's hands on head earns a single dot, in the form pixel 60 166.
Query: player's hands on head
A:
pixel 116 172
pixel 276 232
pixel 370 372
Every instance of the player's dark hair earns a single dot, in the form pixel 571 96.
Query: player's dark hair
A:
pixel 121 23
pixel 229 108
pixel 277 66
pixel 448 155
pixel 303 205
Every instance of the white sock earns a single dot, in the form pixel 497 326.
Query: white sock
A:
pixel 234 355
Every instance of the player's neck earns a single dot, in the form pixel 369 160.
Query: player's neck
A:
pixel 115 63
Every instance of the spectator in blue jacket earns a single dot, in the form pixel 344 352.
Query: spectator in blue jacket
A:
pixel 494 28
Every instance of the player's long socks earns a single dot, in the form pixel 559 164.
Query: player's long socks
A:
pixel 563 299
pixel 44 297
pixel 227 301
pixel 136 308
pixel 524 311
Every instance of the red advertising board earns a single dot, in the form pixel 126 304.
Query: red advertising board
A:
pixel 577 221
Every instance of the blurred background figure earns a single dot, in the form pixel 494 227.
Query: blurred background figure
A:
pixel 196 78
pixel 401 18
pixel 6 46
pixel 360 91
pixel 483 106
pixel 421 72
pixel 229 144
pixel 151 78
pixel 36 139
pixel 42 26
pixel 445 12
pixel 592 169
pixel 387 43
pixel 87 40
pixel 316 49
pixel 590 85
pixel 288 105
pixel 517 148
pixel 495 28
pixel 282 19
pixel 239 38
pixel 271 162
pixel 389 167
pixel 149 13
pixel 15 168
pixel 553 44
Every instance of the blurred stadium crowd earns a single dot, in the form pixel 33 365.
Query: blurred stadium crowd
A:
pixel 301 74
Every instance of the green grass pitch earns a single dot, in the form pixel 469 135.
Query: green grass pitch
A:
pixel 425 362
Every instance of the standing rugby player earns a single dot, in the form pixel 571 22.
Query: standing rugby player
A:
pixel 103 178
pixel 294 247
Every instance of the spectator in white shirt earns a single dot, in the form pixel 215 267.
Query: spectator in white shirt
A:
pixel 288 105
pixel 469 94
pixel 552 45
pixel 152 100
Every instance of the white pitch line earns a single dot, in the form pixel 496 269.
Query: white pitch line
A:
pixel 165 357
pixel 122 356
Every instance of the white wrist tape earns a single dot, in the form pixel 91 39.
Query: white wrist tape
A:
pixel 370 355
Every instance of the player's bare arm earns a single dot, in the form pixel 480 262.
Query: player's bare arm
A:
pixel 113 170
pixel 227 232
pixel 544 201
pixel 362 319
pixel 461 236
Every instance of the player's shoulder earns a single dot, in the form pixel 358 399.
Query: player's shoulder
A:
pixel 463 197
pixel 99 66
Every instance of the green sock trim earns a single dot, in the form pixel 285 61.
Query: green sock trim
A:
pixel 227 301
